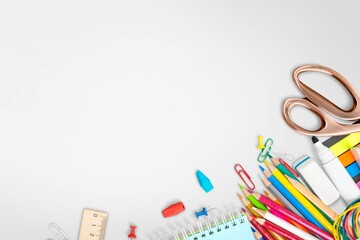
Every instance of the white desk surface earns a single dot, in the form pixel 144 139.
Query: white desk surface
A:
pixel 114 105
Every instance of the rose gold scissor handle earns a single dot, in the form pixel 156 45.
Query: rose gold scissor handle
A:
pixel 316 103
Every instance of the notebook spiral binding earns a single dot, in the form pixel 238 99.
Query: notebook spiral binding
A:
pixel 207 227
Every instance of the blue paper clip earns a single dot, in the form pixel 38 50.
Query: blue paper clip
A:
pixel 241 171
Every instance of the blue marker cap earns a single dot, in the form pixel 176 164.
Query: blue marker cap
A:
pixel 204 181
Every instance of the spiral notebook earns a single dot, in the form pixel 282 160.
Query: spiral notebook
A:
pixel 228 226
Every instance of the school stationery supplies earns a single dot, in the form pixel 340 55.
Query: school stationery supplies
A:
pixel 268 225
pixel 285 225
pixel 282 168
pixel 294 201
pixel 232 225
pixel 317 180
pixel 57 232
pixel 317 103
pixel 173 209
pixel 203 212
pixel 93 225
pixel 269 151
pixel 289 168
pixel 204 181
pixel 296 218
pixel 260 228
pixel 336 172
pixel 315 200
pixel 132 232
pixel 245 177
pixel 355 152
pixel 273 198
pixel 251 198
pixel 340 146
pixel 346 225
pixel 248 205
pixel 280 196
pixel 308 205
pixel 260 141
pixel 257 235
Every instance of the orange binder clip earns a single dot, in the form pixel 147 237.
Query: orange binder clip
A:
pixel 244 176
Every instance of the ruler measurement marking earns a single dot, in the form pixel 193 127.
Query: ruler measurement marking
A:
pixel 93 225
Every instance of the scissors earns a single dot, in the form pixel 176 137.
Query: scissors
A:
pixel 317 103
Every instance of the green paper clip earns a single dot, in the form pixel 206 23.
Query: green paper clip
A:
pixel 264 153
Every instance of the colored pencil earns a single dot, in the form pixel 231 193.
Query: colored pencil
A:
pixel 286 234
pixel 285 192
pixel 285 225
pixel 262 230
pixel 272 197
pixel 248 205
pixel 283 169
pixel 286 212
pixel 257 235
pixel 308 205
pixel 314 199
pixel 253 200
pixel 280 196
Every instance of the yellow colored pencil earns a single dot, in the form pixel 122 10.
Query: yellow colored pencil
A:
pixel 279 176
pixel 314 199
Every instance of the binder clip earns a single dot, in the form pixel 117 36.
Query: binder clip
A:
pixel 269 151
pixel 245 177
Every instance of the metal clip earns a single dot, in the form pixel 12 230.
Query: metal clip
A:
pixel 57 232
pixel 247 179
pixel 270 151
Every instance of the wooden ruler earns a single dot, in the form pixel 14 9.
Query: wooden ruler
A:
pixel 93 225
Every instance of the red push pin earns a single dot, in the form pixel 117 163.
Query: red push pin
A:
pixel 132 232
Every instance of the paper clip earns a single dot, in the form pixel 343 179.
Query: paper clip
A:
pixel 241 171
pixel 268 151
pixel 57 232
pixel 288 167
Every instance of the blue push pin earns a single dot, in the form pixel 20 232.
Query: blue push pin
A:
pixel 203 212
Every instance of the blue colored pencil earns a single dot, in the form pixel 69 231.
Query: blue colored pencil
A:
pixel 277 184
pixel 257 235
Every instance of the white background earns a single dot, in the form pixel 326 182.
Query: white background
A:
pixel 113 105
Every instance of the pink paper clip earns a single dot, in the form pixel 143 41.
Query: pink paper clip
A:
pixel 287 166
pixel 247 179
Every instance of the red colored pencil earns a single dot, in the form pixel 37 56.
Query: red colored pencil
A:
pixel 282 232
pixel 262 230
